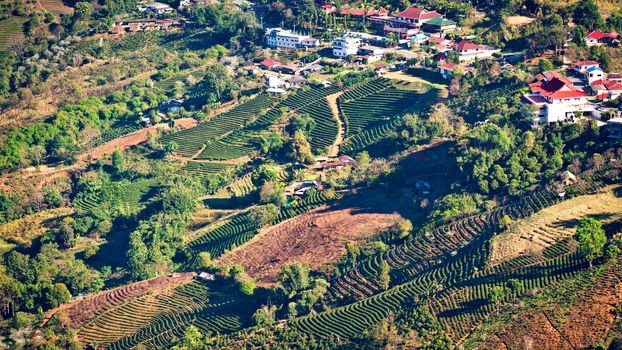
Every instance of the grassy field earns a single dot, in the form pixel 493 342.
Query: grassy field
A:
pixel 55 6
pixel 532 235
pixel 24 230
pixel 11 31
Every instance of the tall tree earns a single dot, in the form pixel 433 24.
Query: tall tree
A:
pixel 591 238
pixel 586 14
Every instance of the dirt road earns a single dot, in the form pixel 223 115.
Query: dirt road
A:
pixel 332 103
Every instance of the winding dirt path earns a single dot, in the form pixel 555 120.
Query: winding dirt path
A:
pixel 332 103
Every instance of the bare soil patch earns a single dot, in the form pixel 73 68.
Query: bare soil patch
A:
pixel 123 142
pixel 519 20
pixel 316 238
pixel 534 234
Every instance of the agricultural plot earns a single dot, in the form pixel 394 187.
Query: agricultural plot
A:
pixel 533 235
pixel 240 229
pixel 373 109
pixel 153 320
pixel 11 31
pixel 132 193
pixel 326 128
pixel 429 287
pixel 191 140
pixel 243 141
pixel 423 252
pixel 206 168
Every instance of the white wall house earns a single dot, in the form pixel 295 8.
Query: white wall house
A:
pixel 415 16
pixel 159 8
pixel 346 46
pixel 581 67
pixel 278 38
pixel 593 74
pixel 556 100
pixel 468 51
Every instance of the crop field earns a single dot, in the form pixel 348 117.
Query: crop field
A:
pixel 191 140
pixel 133 194
pixel 11 31
pixel 375 102
pixel 154 319
pixel 316 237
pixel 550 225
pixel 56 6
pixel 207 168
pixel 454 255
pixel 326 128
pixel 242 142
pixel 240 229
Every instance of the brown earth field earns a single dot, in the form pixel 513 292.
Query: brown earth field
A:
pixel 316 238
pixel 587 321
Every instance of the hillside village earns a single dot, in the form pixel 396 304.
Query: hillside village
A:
pixel 309 174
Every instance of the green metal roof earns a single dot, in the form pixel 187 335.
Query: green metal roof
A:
pixel 440 21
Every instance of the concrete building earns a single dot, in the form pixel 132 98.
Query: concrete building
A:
pixel 278 38
pixel 556 100
pixel 159 8
pixel 468 51
pixel 346 46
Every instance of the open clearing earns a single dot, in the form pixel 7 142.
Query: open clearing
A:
pixel 444 92
pixel 317 237
pixel 532 235
pixel 55 6
pixel 519 20
pixel 11 31
pixel 24 230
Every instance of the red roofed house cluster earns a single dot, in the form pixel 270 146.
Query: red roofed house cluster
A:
pixel 555 99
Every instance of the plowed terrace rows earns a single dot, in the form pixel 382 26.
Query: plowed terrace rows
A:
pixel 317 237
pixel 81 311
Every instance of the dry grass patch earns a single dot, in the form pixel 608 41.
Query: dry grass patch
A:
pixel 24 230
pixel 544 228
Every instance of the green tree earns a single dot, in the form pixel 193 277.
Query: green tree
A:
pixel 586 14
pixel 118 161
pixel 545 65
pixel 301 150
pixel 591 237
pixel 265 315
pixel 383 275
pixel 294 278
pixel 264 215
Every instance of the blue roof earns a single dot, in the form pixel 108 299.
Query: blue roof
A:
pixel 419 37
pixel 591 69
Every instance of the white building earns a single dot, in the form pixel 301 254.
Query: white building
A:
pixel 556 100
pixel 278 38
pixel 593 74
pixel 159 8
pixel 275 85
pixel 468 51
pixel 346 46
pixel 606 89
pixel 581 67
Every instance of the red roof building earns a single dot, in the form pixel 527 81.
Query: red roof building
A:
pixel 556 89
pixel 468 51
pixel 556 100
pixel 416 16
pixel 270 64
pixel 596 37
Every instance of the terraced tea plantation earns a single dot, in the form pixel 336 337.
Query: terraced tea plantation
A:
pixel 191 140
pixel 446 272
pixel 154 319
pixel 131 193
